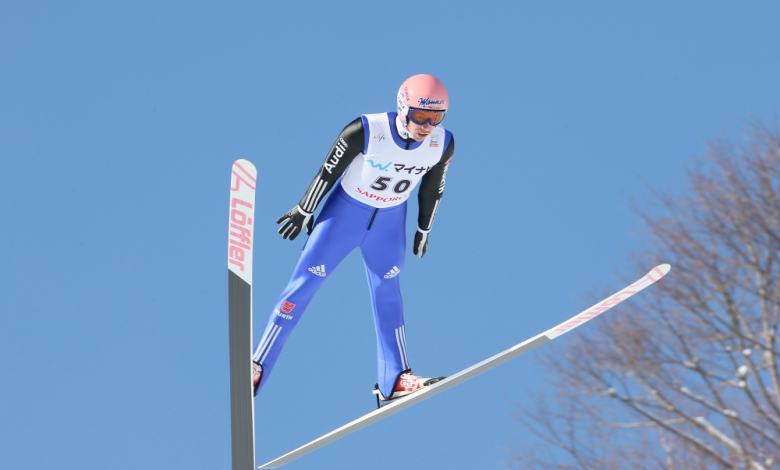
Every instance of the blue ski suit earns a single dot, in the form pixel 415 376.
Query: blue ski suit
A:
pixel 367 209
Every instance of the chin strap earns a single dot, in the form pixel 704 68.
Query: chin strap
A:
pixel 402 129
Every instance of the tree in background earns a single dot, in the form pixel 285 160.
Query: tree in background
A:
pixel 685 376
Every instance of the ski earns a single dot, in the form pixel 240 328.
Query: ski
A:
pixel 397 405
pixel 240 231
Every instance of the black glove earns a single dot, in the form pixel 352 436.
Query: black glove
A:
pixel 420 243
pixel 294 222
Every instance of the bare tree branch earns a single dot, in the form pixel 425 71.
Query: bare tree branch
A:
pixel 688 376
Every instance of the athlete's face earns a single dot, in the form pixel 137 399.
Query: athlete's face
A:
pixel 418 132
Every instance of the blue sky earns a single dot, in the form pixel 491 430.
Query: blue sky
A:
pixel 119 122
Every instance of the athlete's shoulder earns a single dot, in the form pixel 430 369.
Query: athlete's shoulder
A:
pixel 378 119
pixel 355 125
pixel 353 136
pixel 449 147
pixel 448 138
pixel 380 116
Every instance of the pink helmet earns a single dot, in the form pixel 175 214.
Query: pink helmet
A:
pixel 421 91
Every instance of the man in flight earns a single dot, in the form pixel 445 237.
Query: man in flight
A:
pixel 379 159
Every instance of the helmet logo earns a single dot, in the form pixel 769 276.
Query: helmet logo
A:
pixel 430 102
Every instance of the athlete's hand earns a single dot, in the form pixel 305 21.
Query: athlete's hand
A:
pixel 420 243
pixel 293 222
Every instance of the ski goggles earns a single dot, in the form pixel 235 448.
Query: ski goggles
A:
pixel 425 116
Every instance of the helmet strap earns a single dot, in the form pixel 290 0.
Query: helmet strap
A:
pixel 402 128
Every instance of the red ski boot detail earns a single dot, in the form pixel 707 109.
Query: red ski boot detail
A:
pixel 257 374
pixel 408 383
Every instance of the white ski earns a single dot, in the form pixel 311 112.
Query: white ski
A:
pixel 240 236
pixel 395 406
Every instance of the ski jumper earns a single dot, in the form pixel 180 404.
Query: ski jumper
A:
pixel 380 165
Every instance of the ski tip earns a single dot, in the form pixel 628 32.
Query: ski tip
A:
pixel 664 268
pixel 247 165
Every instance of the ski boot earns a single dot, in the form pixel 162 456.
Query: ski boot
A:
pixel 406 383
pixel 257 374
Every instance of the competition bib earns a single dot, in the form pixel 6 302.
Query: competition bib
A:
pixel 386 174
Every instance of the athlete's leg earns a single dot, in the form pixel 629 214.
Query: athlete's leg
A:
pixel 384 249
pixel 339 229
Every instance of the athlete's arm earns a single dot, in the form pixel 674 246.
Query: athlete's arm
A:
pixel 428 197
pixel 347 146
pixel 432 188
